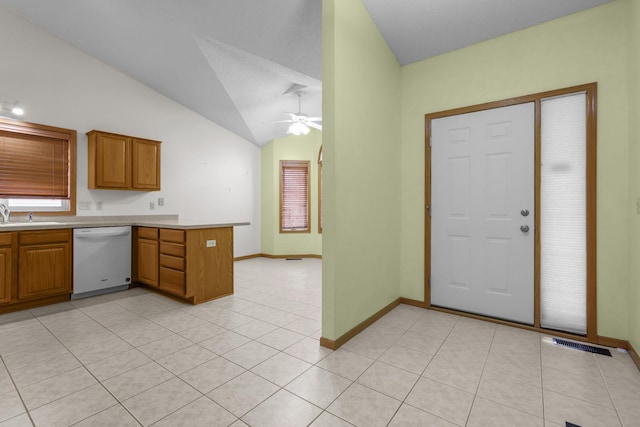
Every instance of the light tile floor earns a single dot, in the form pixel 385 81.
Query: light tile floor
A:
pixel 137 358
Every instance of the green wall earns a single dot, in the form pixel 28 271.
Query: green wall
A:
pixel 374 149
pixel 303 147
pixel 361 156
pixel 634 171
pixel 591 46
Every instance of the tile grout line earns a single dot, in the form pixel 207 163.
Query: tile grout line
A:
pixel 90 373
pixel 15 387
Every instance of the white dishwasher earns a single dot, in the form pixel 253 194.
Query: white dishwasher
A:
pixel 101 260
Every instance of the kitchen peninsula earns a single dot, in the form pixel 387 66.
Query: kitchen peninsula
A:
pixel 192 261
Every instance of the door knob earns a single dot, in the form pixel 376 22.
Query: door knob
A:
pixel 524 212
pixel 524 228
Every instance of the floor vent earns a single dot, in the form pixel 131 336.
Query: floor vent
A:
pixel 583 347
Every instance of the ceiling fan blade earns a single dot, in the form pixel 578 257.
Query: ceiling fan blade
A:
pixel 315 119
pixel 280 121
pixel 314 125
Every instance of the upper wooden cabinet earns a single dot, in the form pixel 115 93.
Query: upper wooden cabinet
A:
pixel 122 162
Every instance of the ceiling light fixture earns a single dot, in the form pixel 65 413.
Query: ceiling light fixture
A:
pixel 9 108
pixel 298 128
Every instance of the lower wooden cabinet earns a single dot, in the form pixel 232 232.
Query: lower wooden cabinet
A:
pixel 44 264
pixel 35 268
pixel 194 264
pixel 147 253
pixel 6 267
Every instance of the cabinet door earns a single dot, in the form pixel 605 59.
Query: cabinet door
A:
pixel 113 161
pixel 5 275
pixel 44 270
pixel 148 261
pixel 146 164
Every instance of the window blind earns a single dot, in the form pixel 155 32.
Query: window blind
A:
pixel 563 271
pixel 294 195
pixel 33 166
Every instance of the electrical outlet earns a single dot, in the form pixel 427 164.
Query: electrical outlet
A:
pixel 160 201
pixel 152 206
pixel 99 206
pixel 85 206
pixel 211 243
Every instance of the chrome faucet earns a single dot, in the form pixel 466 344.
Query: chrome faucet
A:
pixel 5 213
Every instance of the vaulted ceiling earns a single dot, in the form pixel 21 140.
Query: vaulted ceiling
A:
pixel 233 60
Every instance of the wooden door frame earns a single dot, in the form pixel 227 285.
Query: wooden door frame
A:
pixel 590 90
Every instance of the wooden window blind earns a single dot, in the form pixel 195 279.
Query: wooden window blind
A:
pixel 294 196
pixel 34 166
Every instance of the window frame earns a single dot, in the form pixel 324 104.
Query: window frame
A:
pixel 295 164
pixel 69 135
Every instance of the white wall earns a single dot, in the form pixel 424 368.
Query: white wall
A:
pixel 208 173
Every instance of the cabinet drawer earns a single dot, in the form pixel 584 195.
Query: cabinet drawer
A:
pixel 172 280
pixel 177 263
pixel 172 249
pixel 6 239
pixel 176 236
pixel 48 236
pixel 147 233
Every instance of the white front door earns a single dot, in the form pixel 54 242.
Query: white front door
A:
pixel 482 212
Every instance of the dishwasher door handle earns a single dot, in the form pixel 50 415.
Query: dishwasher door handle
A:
pixel 84 234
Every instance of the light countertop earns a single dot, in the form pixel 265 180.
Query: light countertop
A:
pixel 160 221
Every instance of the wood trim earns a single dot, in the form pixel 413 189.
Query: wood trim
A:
pixel 343 339
pixel 591 91
pixel 537 197
pixel 634 355
pixel 24 305
pixel 413 302
pixel 240 258
pixel 591 185
pixel 427 213
pixel 612 342
pixel 261 255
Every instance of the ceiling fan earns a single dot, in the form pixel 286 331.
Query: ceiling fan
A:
pixel 300 122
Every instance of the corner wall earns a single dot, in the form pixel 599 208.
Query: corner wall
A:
pixel 634 171
pixel 290 147
pixel 581 48
pixel 208 173
pixel 361 163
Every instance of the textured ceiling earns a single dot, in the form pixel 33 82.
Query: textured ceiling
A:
pixel 232 60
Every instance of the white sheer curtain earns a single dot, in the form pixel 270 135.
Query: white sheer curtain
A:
pixel 563 214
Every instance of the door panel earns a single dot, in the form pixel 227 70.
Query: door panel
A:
pixel 482 171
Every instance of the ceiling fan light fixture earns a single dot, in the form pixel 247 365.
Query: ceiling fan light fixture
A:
pixel 299 129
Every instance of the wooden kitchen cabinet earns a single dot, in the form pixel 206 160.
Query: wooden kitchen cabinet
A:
pixel 193 264
pixel 147 253
pixel 44 264
pixel 122 162
pixel 6 267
